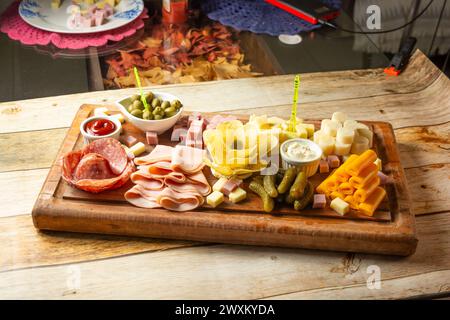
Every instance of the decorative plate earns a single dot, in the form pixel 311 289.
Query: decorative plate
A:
pixel 41 15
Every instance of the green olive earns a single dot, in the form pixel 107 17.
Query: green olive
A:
pixel 146 115
pixel 158 110
pixel 165 104
pixel 158 117
pixel 170 110
pixel 130 108
pixel 137 113
pixel 169 114
pixel 138 105
pixel 156 102
pixel 149 96
pixel 135 97
pixel 176 104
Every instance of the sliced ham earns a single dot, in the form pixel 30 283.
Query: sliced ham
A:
pixel 194 183
pixel 159 153
pixel 143 198
pixel 188 160
pixel 112 151
pixel 147 181
pixel 176 201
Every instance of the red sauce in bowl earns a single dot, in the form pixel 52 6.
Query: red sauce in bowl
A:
pixel 100 127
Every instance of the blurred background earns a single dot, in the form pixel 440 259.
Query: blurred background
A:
pixel 182 53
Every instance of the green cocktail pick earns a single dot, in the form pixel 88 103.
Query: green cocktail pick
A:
pixel 138 81
pixel 293 120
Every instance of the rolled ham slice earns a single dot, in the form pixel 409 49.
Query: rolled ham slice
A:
pixel 158 154
pixel 143 198
pixel 176 201
pixel 187 159
pixel 194 183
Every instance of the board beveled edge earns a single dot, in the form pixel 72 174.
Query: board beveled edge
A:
pixel 396 238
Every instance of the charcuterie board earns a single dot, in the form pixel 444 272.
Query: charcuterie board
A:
pixel 391 229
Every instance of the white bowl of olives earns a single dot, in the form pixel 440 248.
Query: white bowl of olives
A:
pixel 164 110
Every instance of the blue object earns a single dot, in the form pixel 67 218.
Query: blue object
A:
pixel 258 16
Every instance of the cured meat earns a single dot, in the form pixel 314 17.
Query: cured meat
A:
pixel 159 153
pixel 194 183
pixel 176 201
pixel 99 185
pixel 94 168
pixel 147 181
pixel 188 160
pixel 111 150
pixel 143 198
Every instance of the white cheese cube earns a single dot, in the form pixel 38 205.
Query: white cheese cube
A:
pixel 219 184
pixel 103 111
pixel 326 143
pixel 214 199
pixel 350 124
pixel 379 164
pixel 339 117
pixel 237 195
pixel 330 128
pixel 119 117
pixel 309 127
pixel 138 149
pixel 345 135
pixel 340 206
pixel 342 149
pixel 364 131
pixel 360 144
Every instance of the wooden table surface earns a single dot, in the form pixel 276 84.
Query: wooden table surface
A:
pixel 55 265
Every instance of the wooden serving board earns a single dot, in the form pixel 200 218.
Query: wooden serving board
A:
pixel 391 230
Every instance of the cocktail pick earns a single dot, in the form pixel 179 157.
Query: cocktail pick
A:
pixel 293 120
pixel 138 81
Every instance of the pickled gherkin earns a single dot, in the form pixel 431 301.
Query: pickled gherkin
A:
pixel 268 202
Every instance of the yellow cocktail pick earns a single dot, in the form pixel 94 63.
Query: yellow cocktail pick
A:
pixel 293 120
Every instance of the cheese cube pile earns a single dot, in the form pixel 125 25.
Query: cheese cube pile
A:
pixel 356 182
pixel 342 136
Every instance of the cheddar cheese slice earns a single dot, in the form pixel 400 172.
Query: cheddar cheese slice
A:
pixel 359 164
pixel 362 194
pixel 371 204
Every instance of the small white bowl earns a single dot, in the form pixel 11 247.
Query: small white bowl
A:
pixel 308 166
pixel 88 138
pixel 158 126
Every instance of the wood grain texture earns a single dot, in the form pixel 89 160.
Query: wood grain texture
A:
pixel 62 209
pixel 416 103
pixel 421 286
pixel 19 190
pixel 24 246
pixel 227 272
pixel 29 150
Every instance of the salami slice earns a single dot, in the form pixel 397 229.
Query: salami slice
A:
pixel 69 163
pixel 112 151
pixel 99 185
pixel 93 166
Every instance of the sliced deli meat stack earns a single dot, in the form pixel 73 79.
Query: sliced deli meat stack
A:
pixel 187 159
pixel 141 197
pixel 102 165
pixel 159 153
pixel 169 177
pixel 176 201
